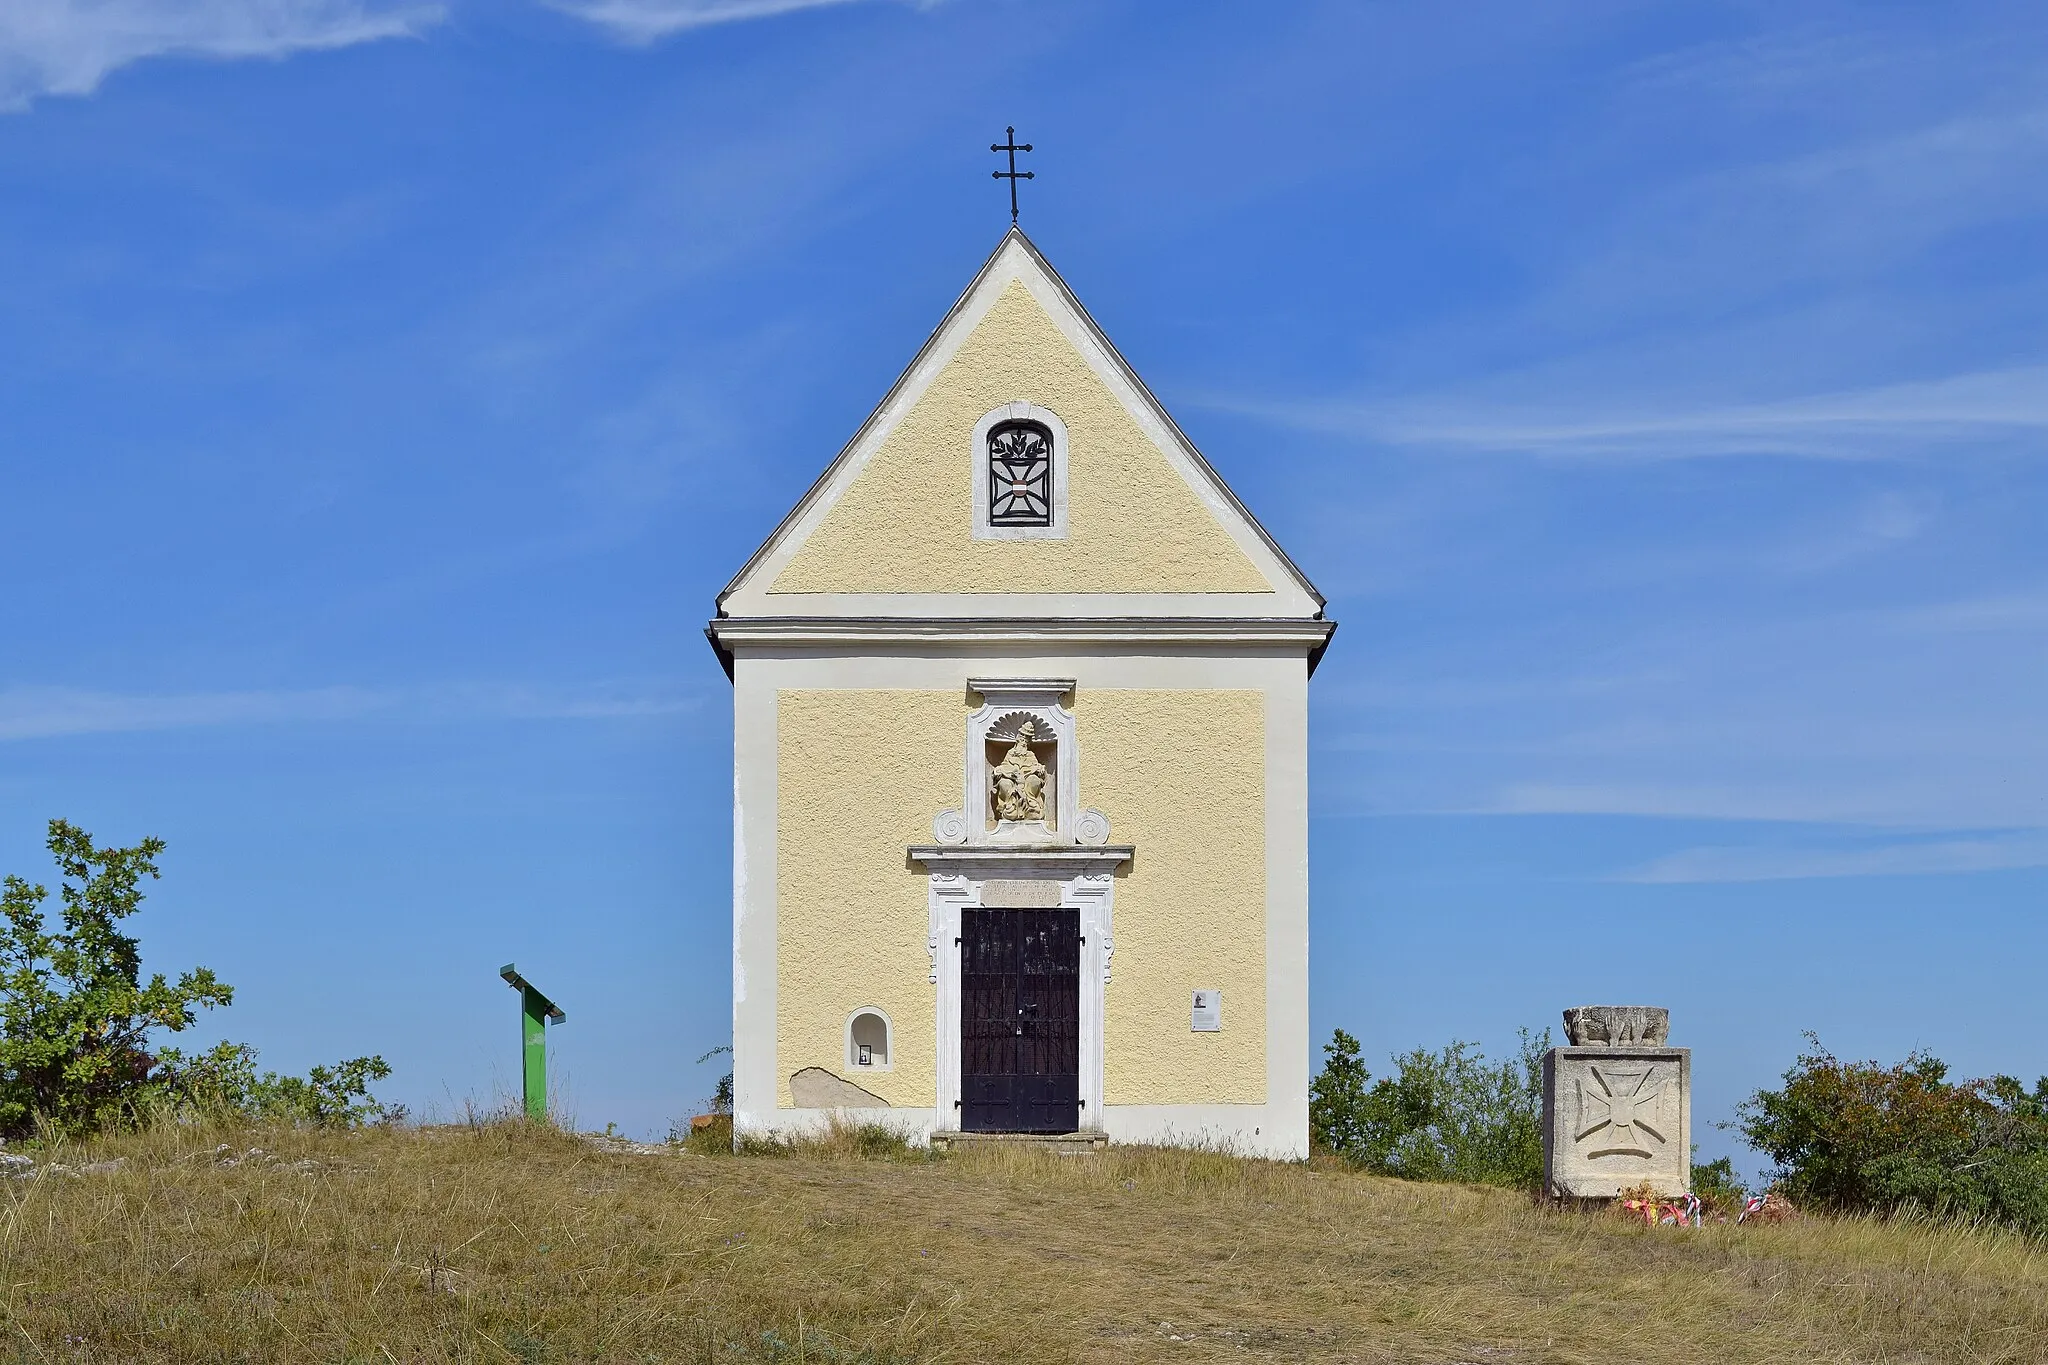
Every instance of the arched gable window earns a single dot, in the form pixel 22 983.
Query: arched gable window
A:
pixel 1020 474
pixel 1020 456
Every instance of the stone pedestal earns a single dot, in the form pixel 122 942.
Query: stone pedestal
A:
pixel 1614 1116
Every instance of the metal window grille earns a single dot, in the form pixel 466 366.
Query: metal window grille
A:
pixel 1020 456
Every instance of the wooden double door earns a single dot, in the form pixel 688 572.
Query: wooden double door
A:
pixel 1020 1021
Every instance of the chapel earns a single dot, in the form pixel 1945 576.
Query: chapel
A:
pixel 1020 752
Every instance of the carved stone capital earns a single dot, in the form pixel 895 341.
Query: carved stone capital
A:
pixel 1618 1026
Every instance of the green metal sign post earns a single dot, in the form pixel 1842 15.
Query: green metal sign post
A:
pixel 536 1011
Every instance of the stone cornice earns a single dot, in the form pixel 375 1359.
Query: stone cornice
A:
pixel 828 632
pixel 998 860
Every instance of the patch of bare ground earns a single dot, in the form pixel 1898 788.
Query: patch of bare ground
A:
pixel 510 1243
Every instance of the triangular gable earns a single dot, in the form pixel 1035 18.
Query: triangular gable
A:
pixel 1150 527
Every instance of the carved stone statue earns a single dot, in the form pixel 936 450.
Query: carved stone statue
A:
pixel 1018 783
pixel 1618 1025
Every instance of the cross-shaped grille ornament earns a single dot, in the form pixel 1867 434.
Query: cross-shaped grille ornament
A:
pixel 1013 175
pixel 1020 475
pixel 1627 1106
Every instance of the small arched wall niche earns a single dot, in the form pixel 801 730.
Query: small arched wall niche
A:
pixel 867 1041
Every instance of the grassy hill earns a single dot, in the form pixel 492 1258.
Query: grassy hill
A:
pixel 503 1243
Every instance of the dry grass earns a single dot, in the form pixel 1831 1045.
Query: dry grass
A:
pixel 504 1243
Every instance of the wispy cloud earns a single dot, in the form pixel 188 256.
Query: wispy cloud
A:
pixel 1909 715
pixel 52 712
pixel 2002 612
pixel 1818 798
pixel 1921 857
pixel 1790 62
pixel 647 21
pixel 1845 215
pixel 67 47
pixel 1886 422
pixel 1748 305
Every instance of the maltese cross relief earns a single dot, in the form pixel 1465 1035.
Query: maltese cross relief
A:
pixel 1621 1111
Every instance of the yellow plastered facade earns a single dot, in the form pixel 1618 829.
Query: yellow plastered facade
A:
pixel 1182 777
pixel 859 775
pixel 905 523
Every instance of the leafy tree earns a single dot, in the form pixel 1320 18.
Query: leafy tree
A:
pixel 76 1013
pixel 1445 1115
pixel 1856 1136
pixel 1337 1098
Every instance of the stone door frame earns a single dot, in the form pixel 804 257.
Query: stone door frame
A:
pixel 1081 879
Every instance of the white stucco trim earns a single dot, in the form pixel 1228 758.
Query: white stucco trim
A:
pixel 913 1125
pixel 826 632
pixel 1087 886
pixel 1020 411
pixel 1241 1129
pixel 755 779
pixel 1038 698
pixel 946 895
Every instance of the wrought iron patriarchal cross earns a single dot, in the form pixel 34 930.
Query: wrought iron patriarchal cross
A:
pixel 1013 175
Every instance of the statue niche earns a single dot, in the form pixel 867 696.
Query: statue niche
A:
pixel 1020 786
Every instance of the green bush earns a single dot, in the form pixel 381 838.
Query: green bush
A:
pixel 76 1014
pixel 1858 1137
pixel 224 1082
pixel 1447 1115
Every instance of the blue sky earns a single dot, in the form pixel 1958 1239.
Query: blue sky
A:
pixel 1658 392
